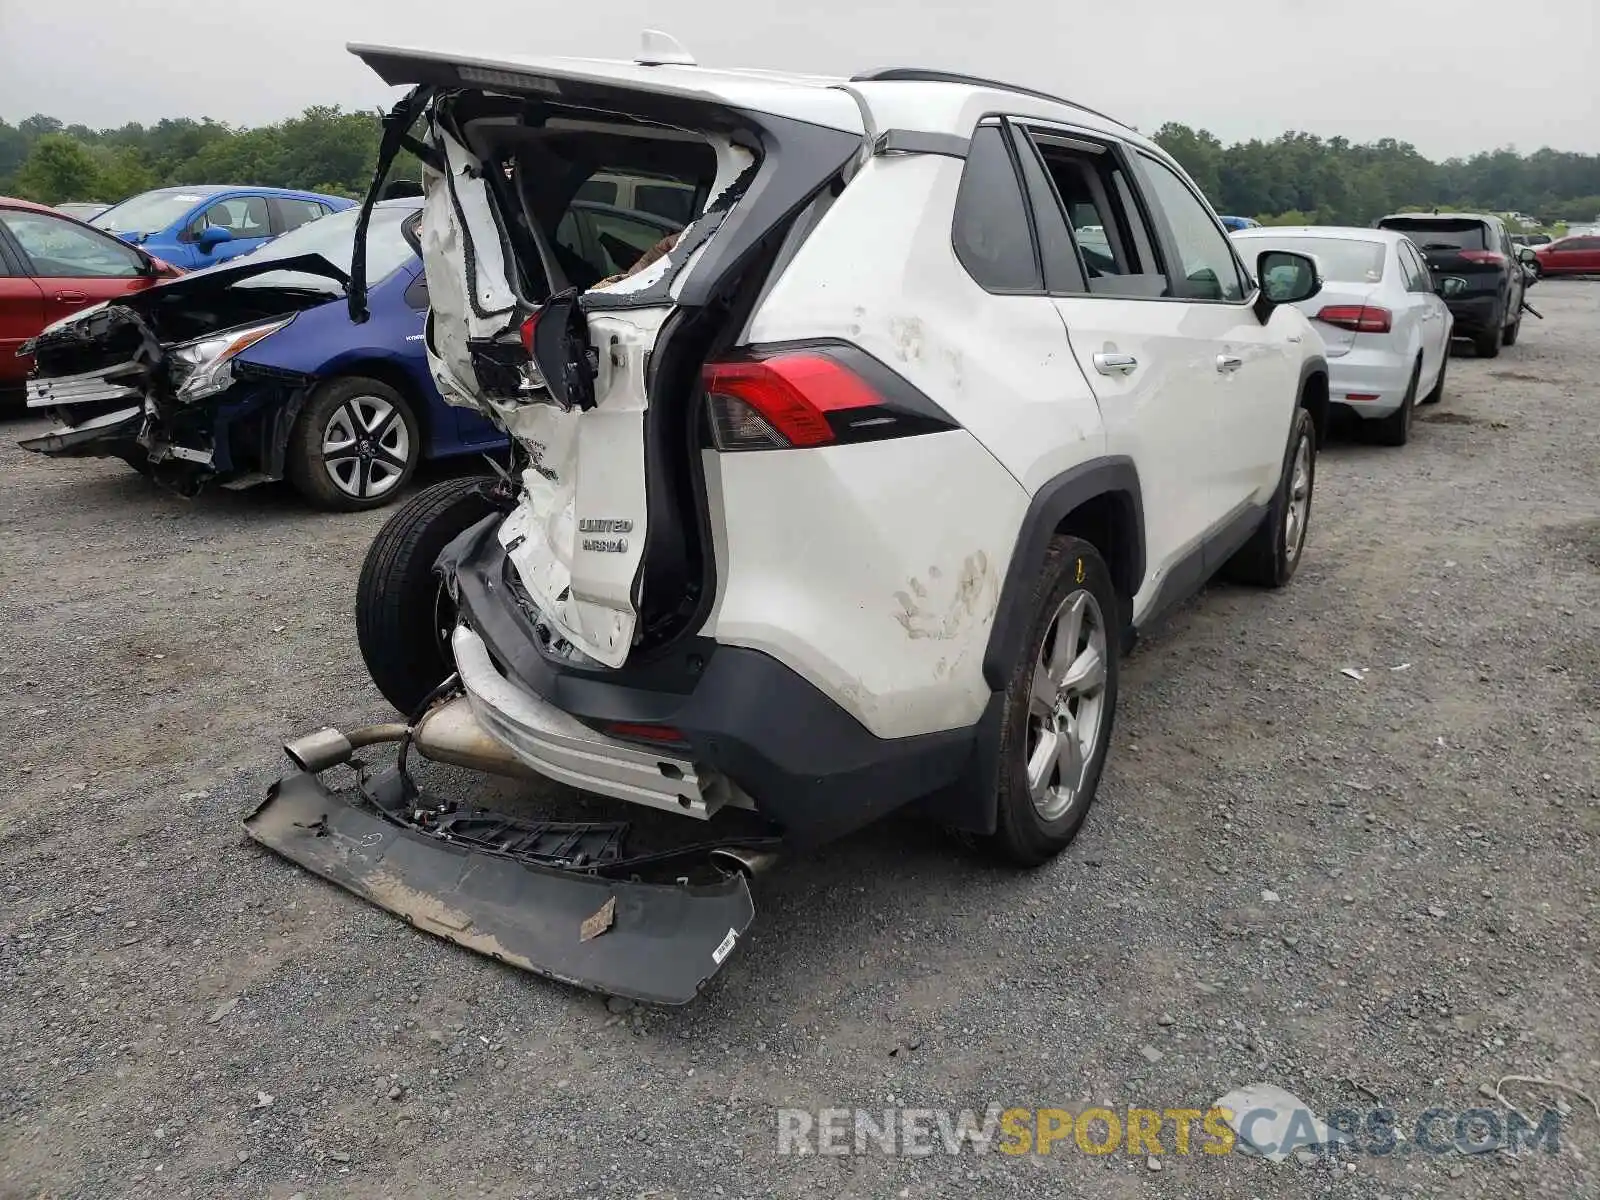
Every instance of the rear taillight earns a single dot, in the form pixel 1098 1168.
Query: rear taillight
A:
pixel 1362 318
pixel 805 398
pixel 1492 257
pixel 528 328
pixel 638 732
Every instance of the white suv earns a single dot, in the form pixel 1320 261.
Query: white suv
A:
pixel 854 499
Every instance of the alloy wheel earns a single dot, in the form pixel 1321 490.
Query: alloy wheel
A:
pixel 365 447
pixel 1066 705
pixel 1299 506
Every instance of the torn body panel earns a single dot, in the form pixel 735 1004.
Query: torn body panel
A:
pixel 529 897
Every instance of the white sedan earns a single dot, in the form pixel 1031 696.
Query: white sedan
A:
pixel 1386 329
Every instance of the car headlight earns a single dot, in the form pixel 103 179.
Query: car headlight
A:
pixel 204 367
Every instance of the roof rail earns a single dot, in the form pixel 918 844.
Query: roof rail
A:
pixel 925 75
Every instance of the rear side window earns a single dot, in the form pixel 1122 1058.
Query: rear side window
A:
pixel 991 231
pixel 598 191
pixel 1442 235
pixel 665 200
pixel 293 213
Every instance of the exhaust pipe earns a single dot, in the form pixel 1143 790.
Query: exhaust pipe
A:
pixel 447 734
pixel 451 734
pixel 330 747
pixel 739 858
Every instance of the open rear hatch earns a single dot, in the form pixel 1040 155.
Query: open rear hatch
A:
pixel 591 373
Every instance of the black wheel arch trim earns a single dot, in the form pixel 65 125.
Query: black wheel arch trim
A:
pixel 1315 364
pixel 1113 476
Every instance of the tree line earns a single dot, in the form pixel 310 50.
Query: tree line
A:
pixel 1295 178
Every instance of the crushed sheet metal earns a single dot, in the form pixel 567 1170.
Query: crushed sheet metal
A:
pixel 659 949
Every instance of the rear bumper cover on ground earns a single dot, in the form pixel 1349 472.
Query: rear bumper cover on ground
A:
pixel 657 942
pixel 806 764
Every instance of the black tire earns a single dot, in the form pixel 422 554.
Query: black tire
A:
pixel 1488 344
pixel 1512 330
pixel 403 614
pixel 383 455
pixel 1268 559
pixel 1395 429
pixel 1437 394
pixel 1025 835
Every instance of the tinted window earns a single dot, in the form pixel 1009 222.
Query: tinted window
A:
pixel 990 231
pixel 1418 277
pixel 1439 234
pixel 61 249
pixel 243 216
pixel 417 292
pixel 1206 269
pixel 1338 260
pixel 665 200
pixel 601 191
pixel 1581 243
pixel 294 213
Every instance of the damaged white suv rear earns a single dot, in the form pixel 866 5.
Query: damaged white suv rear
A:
pixel 849 502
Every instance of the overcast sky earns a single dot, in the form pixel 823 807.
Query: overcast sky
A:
pixel 1452 78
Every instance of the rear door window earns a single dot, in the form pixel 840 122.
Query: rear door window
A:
pixel 1087 186
pixel 293 212
pixel 243 216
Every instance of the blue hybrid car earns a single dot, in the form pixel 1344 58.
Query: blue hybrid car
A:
pixel 255 371
pixel 196 227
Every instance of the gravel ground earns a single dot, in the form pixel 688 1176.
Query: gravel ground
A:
pixel 1382 886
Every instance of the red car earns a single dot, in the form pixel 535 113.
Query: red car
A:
pixel 1579 255
pixel 52 266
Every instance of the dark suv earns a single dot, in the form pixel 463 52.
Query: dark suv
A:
pixel 1477 250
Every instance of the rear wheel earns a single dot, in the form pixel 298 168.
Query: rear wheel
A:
pixel 1271 555
pixel 354 445
pixel 1437 394
pixel 1395 429
pixel 1060 704
pixel 1488 344
pixel 404 616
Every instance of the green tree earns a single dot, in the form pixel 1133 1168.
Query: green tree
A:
pixel 58 168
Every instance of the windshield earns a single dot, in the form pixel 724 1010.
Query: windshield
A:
pixel 1340 261
pixel 333 237
pixel 149 213
pixel 1442 235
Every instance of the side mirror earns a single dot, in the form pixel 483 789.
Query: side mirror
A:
pixel 1526 254
pixel 1286 278
pixel 213 236
pixel 1451 285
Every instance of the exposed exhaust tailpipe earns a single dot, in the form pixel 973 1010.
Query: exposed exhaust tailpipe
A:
pixel 329 747
pixel 744 860
pixel 447 734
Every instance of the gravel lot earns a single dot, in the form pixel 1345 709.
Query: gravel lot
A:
pixel 183 1014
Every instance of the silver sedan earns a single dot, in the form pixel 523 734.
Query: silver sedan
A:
pixel 1386 330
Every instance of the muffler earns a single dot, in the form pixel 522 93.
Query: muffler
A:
pixel 451 734
pixel 329 747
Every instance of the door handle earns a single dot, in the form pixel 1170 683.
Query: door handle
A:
pixel 1115 364
pixel 1229 362
pixel 71 297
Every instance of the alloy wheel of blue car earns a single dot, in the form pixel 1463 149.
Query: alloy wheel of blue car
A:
pixel 366 447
